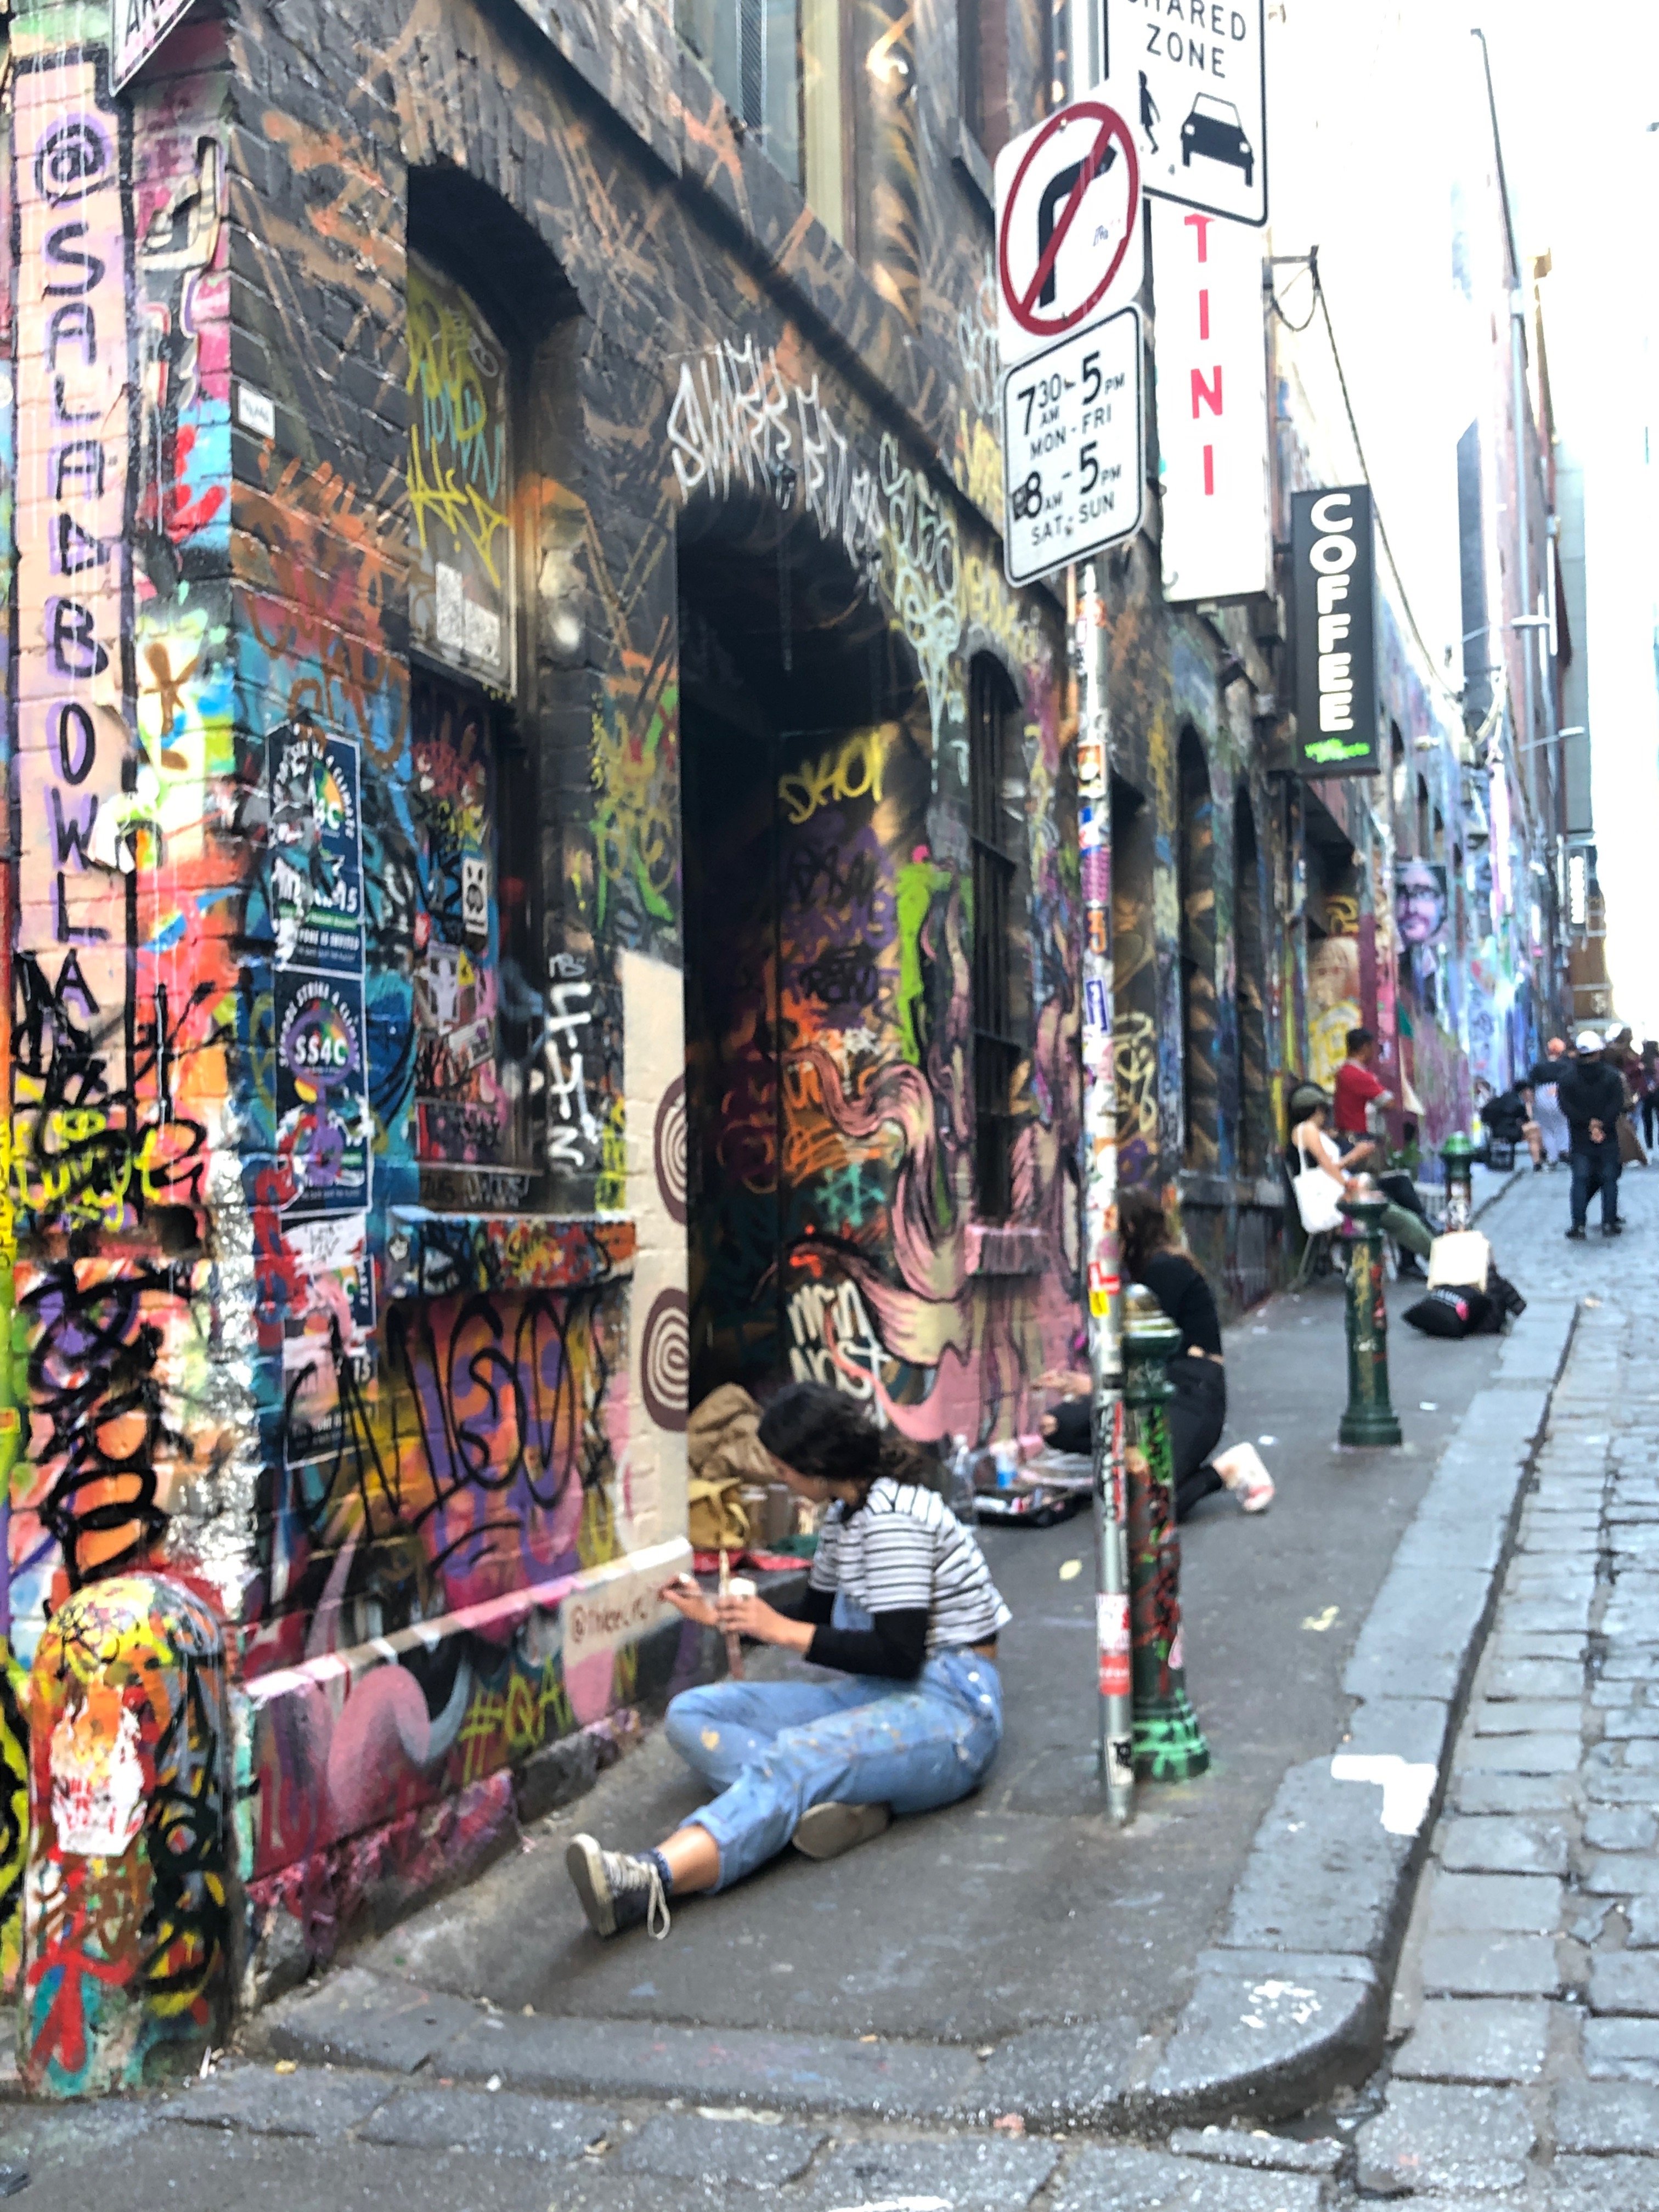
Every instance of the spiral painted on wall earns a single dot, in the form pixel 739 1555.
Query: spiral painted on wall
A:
pixel 665 1359
pixel 668 1149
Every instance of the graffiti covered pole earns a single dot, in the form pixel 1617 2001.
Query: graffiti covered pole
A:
pixel 1099 1173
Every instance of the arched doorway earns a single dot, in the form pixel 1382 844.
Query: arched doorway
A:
pixel 822 952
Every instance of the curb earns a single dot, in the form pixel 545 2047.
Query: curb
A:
pixel 1291 2002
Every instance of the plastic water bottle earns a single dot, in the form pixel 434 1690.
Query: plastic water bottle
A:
pixel 960 1494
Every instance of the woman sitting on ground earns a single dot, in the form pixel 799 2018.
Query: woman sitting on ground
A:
pixel 1153 1256
pixel 901 1604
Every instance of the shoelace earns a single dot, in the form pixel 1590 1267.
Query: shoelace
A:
pixel 656 1906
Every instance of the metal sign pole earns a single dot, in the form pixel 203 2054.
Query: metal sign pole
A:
pixel 1100 1251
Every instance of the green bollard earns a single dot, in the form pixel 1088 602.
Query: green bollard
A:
pixel 1170 1744
pixel 1458 1154
pixel 1369 1419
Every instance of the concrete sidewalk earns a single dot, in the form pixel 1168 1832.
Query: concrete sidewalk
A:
pixel 1015 1959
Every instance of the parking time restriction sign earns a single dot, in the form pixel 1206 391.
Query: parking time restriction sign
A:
pixel 1073 448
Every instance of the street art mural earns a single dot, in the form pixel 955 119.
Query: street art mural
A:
pixel 127 1901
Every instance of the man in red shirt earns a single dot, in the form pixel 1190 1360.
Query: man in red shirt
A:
pixel 1356 1087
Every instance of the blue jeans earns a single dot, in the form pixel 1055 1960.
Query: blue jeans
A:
pixel 776 1748
pixel 1594 1164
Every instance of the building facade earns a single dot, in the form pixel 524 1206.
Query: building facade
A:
pixel 546 881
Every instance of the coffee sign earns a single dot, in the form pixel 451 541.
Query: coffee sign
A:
pixel 1335 609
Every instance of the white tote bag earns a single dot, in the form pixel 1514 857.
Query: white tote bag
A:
pixel 1318 1198
pixel 1459 1259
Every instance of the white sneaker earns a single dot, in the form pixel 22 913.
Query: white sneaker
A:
pixel 1242 1471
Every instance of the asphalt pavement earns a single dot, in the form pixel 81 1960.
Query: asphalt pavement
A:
pixel 1022 1907
pixel 905 1986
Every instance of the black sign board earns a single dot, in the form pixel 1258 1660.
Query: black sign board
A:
pixel 1335 625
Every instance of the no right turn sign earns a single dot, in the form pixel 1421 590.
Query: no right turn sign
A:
pixel 1068 227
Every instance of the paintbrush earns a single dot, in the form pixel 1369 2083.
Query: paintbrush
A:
pixel 733 1641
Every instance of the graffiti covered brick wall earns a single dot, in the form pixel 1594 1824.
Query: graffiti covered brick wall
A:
pixel 497 943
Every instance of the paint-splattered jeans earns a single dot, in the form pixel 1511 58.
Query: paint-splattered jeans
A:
pixel 778 1747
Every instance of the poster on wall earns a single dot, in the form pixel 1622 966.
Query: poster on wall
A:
pixel 323 1127
pixel 1333 598
pixel 1420 901
pixel 327 1333
pixel 1210 369
pixel 316 848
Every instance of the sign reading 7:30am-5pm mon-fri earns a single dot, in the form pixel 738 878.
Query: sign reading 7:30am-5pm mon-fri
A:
pixel 1071 448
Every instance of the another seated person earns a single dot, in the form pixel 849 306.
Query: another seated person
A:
pixel 1505 1117
pixel 1355 1089
pixel 900 1604
pixel 1198 1412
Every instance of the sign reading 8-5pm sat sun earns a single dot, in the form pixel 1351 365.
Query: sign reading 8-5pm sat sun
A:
pixel 1071 453
pixel 1193 74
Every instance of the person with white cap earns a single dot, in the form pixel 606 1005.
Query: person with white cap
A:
pixel 1592 1097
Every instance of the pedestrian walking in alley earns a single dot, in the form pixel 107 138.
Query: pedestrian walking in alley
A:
pixel 1548 1138
pixel 1621 1054
pixel 900 1605
pixel 1592 1096
pixel 1355 1089
pixel 1648 1096
pixel 1153 1255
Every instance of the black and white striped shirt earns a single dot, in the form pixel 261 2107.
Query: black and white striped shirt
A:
pixel 903 1549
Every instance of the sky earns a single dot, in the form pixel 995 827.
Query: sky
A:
pixel 1576 92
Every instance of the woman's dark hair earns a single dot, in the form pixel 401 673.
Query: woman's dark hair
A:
pixel 822 1433
pixel 1143 1227
pixel 1304 1100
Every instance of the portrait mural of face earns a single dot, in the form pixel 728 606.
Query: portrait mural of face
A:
pixel 1420 901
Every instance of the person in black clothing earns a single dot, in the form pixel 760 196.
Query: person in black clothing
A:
pixel 1592 1097
pixel 1198 1412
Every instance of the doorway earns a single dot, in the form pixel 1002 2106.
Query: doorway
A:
pixel 806 759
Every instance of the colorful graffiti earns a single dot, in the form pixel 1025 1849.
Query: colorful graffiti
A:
pixel 127 1892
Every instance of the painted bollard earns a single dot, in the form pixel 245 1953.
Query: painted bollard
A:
pixel 1369 1417
pixel 1458 1155
pixel 1170 1744
pixel 126 1917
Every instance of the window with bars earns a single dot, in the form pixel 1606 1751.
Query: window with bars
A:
pixel 781 65
pixel 992 708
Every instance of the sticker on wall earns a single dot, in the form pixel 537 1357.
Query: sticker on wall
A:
pixel 324 1128
pixel 316 850
pixel 475 895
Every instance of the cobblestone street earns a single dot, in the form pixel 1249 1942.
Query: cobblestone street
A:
pixel 1529 1989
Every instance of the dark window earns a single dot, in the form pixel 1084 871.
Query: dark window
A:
pixel 782 66
pixel 992 707
pixel 982 40
pixel 1195 866
pixel 1252 1011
